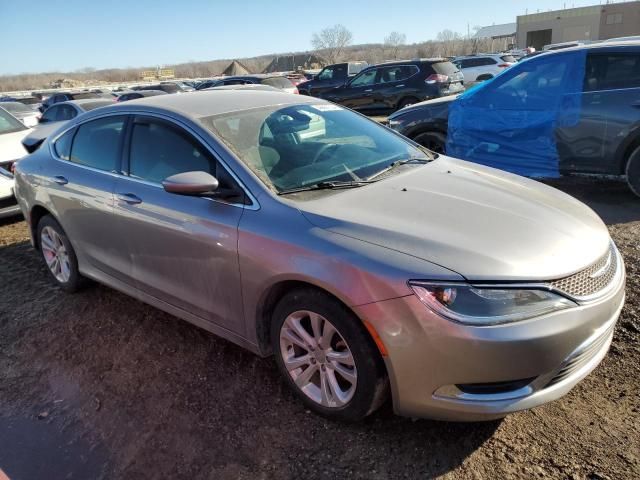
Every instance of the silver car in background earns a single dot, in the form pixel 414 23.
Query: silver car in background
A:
pixel 364 263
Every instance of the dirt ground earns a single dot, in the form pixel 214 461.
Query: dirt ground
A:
pixel 98 385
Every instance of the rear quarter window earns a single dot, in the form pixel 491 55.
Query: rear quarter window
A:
pixel 62 146
pixel 444 68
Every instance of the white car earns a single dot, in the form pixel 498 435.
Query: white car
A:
pixel 12 131
pixel 477 68
pixel 25 113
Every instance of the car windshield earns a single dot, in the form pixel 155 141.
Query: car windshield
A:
pixel 296 146
pixel 9 124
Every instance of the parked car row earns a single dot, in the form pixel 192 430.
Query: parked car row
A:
pixel 276 81
pixel 596 129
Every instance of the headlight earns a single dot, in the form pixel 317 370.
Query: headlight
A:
pixel 471 305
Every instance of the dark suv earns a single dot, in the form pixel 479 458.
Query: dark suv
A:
pixel 330 77
pixel 387 87
pixel 580 119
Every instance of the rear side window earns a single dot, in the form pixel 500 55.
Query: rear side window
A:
pixel 444 68
pixel 612 72
pixel 278 82
pixel 50 114
pixel 159 150
pixel 396 73
pixel 62 145
pixel 65 112
pixel 96 144
pixel 168 87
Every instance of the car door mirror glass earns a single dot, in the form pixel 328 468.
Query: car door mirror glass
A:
pixel 190 183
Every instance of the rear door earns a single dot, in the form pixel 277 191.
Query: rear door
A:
pixel 183 248
pixel 391 87
pixel 609 115
pixel 80 184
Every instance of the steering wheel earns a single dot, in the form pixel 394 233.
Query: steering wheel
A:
pixel 322 151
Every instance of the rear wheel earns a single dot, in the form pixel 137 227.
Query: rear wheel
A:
pixel 327 357
pixel 633 171
pixel 58 254
pixel 434 141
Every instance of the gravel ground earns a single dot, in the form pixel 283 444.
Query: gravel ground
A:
pixel 98 385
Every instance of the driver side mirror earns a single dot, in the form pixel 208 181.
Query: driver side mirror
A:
pixel 190 183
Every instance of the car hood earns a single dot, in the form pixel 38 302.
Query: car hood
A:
pixel 10 146
pixel 477 221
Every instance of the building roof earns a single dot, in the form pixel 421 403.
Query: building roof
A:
pixel 236 68
pixel 497 31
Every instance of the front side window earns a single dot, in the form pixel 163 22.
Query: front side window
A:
pixel 612 71
pixel 535 85
pixel 365 79
pixel 326 74
pixel 300 145
pixel 159 150
pixel 96 143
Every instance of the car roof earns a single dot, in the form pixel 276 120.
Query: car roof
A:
pixel 84 101
pixel 599 46
pixel 206 103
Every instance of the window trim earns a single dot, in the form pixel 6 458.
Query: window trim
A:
pixel 254 205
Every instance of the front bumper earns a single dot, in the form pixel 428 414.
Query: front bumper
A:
pixel 443 370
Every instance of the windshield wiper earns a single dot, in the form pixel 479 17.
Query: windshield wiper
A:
pixel 397 164
pixel 325 186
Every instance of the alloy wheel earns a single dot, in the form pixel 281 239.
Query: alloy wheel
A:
pixel 55 254
pixel 318 359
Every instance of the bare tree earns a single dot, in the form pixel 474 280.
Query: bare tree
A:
pixel 394 41
pixel 332 41
pixel 448 36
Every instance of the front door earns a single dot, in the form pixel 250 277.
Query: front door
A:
pixel 358 94
pixel 183 248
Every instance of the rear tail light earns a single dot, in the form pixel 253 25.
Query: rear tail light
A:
pixel 295 90
pixel 12 168
pixel 436 78
pixel 504 65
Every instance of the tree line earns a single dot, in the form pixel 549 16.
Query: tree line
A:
pixel 334 44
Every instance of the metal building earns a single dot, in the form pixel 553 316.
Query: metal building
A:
pixel 598 22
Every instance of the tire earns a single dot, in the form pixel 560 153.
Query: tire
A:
pixel 434 141
pixel 58 255
pixel 405 102
pixel 353 391
pixel 632 171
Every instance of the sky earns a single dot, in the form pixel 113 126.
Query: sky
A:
pixel 69 35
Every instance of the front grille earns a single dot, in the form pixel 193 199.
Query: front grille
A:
pixel 591 280
pixel 582 356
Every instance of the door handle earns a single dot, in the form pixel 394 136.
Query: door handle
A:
pixel 399 86
pixel 60 180
pixel 128 198
pixel 370 90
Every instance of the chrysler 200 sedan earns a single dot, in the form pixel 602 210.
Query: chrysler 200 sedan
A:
pixel 364 263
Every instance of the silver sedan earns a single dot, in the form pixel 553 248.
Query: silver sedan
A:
pixel 364 263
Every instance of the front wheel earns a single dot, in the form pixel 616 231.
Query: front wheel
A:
pixel 327 357
pixel 633 171
pixel 434 141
